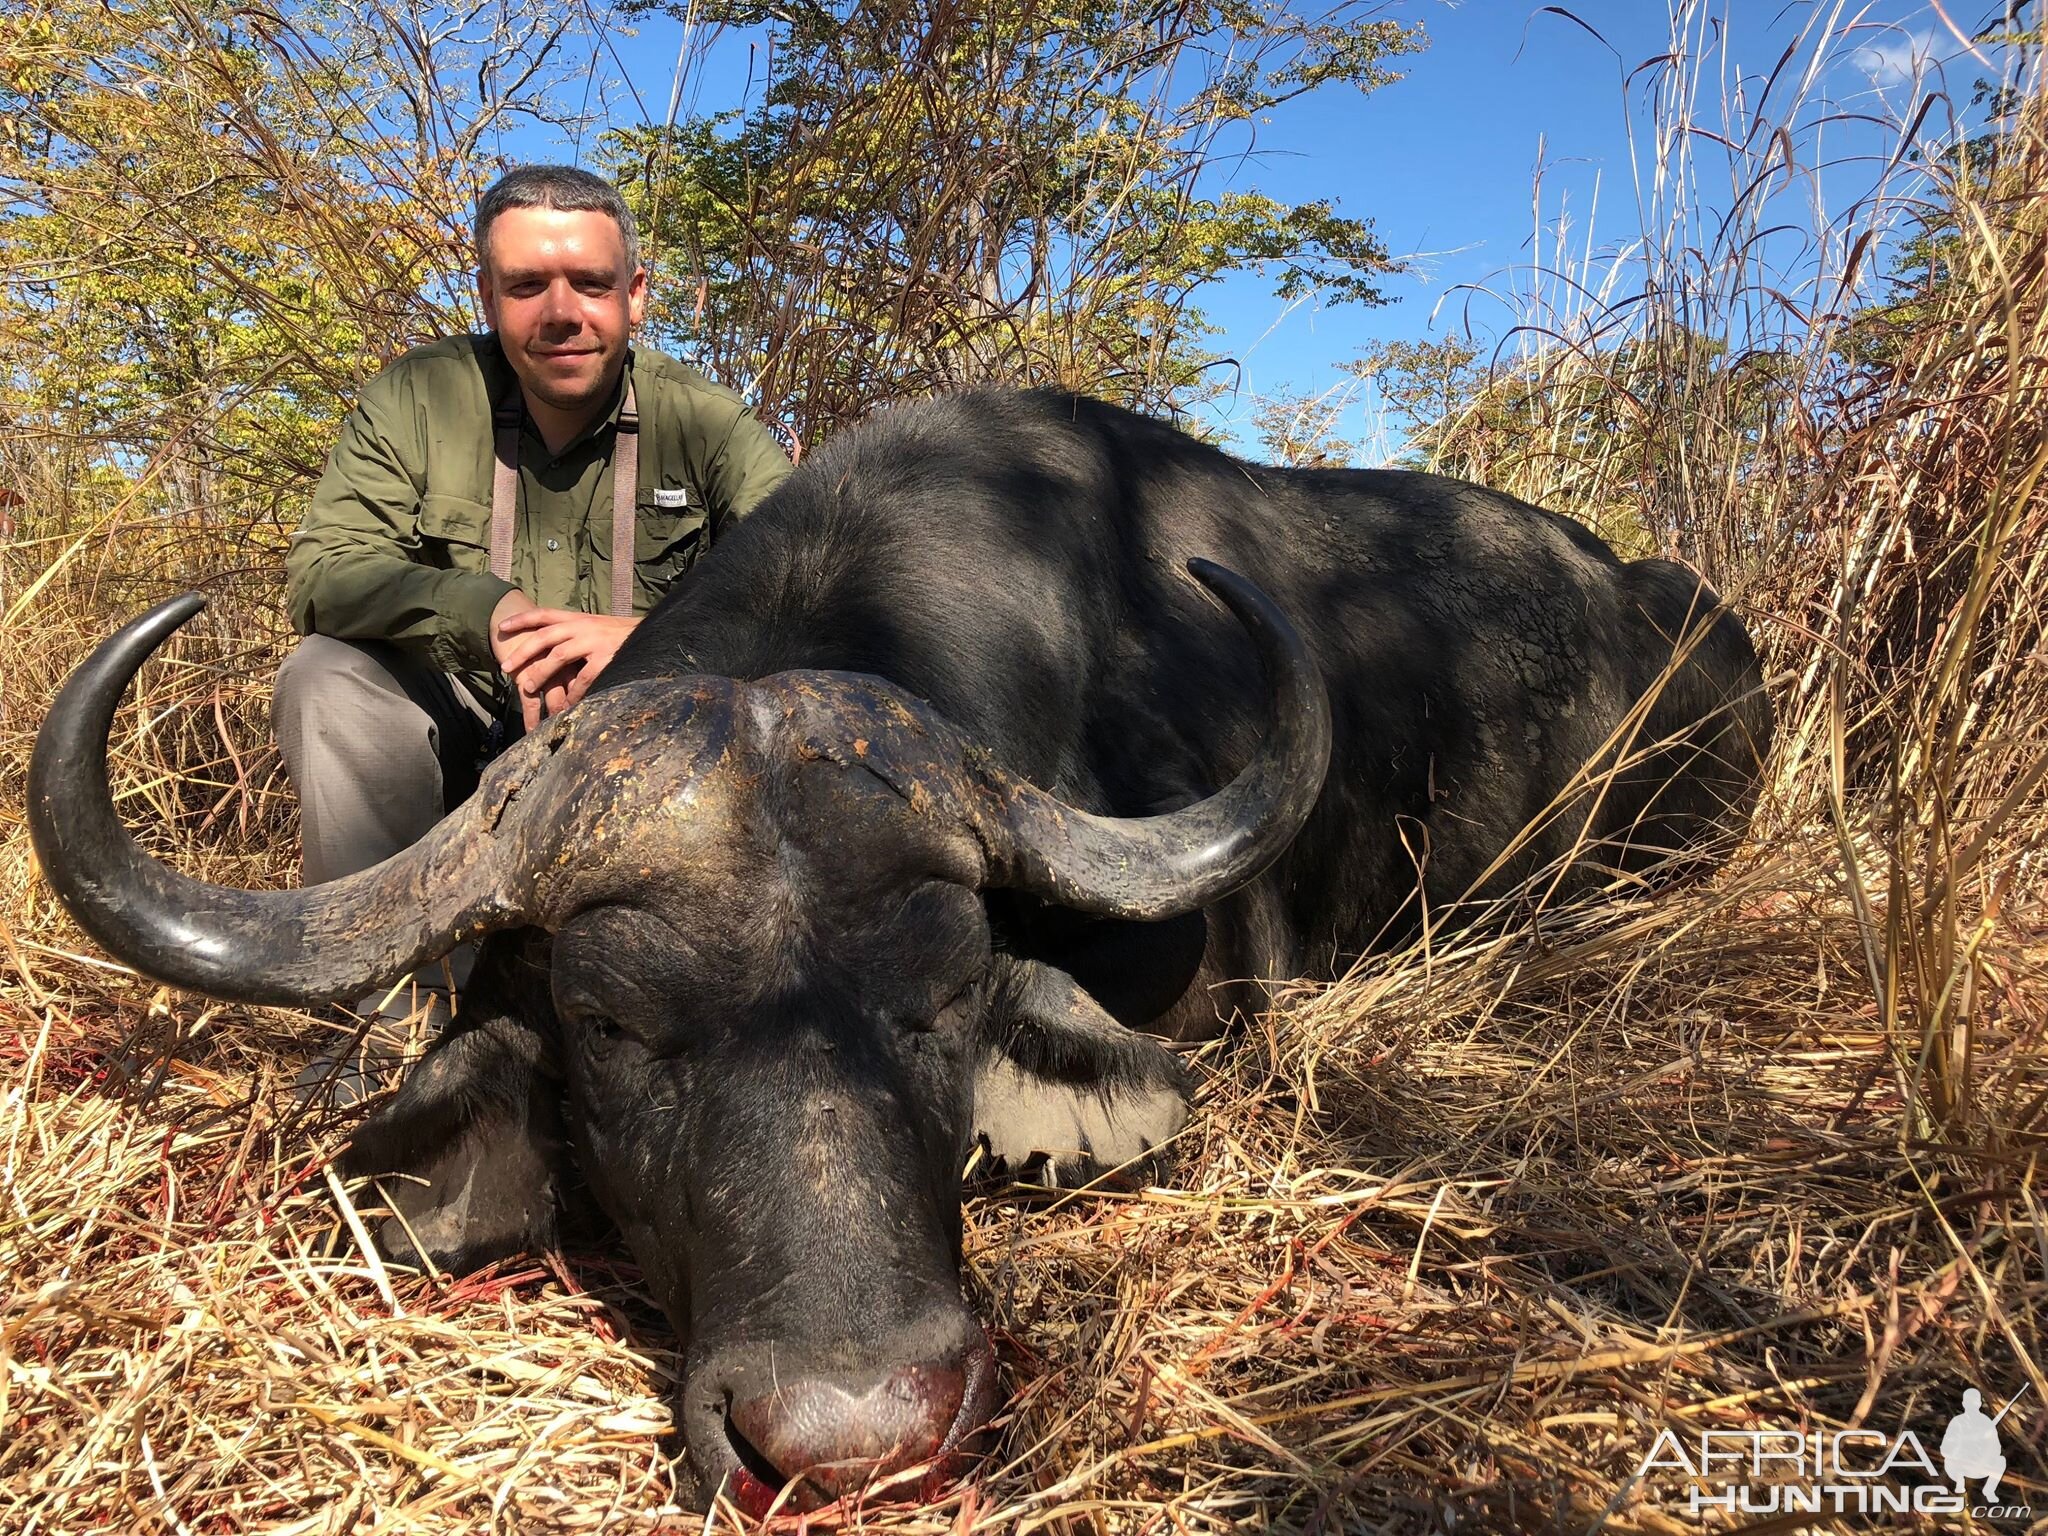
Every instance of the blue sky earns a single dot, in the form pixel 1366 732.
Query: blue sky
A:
pixel 1445 160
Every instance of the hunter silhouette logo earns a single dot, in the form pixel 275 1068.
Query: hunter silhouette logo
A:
pixel 1864 1471
pixel 1970 1447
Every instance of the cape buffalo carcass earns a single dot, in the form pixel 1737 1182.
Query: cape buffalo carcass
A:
pixel 935 798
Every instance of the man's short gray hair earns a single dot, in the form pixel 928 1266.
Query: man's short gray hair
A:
pixel 563 188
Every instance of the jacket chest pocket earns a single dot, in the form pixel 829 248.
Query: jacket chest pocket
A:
pixel 668 540
pixel 456 532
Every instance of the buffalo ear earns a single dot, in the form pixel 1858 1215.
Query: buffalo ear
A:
pixel 1060 1082
pixel 473 1147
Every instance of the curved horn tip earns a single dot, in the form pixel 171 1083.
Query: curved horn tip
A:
pixel 75 729
pixel 1234 590
pixel 1245 599
pixel 173 613
pixel 133 644
pixel 184 605
pixel 298 947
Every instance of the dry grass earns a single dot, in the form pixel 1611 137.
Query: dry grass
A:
pixel 1457 1239
pixel 1453 1240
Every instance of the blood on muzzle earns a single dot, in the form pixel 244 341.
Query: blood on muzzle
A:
pixel 823 1437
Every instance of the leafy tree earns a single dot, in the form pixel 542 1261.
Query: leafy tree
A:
pixel 1566 432
pixel 216 220
pixel 1426 386
pixel 1985 168
pixel 1301 430
pixel 934 195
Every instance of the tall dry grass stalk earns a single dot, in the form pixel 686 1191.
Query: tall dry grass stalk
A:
pixel 1452 1240
pixel 1863 479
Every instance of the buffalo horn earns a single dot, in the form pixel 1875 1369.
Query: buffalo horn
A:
pixel 301 947
pixel 1160 866
pixel 1146 867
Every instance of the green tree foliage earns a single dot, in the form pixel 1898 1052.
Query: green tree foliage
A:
pixel 928 195
pixel 1425 387
pixel 1609 433
pixel 1985 167
pixel 216 220
pixel 1301 430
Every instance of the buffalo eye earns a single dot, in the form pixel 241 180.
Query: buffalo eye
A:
pixel 963 999
pixel 924 1016
pixel 597 1024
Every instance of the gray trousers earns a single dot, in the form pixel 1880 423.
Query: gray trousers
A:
pixel 379 748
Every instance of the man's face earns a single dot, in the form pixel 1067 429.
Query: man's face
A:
pixel 556 289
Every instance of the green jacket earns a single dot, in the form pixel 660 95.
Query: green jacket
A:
pixel 396 545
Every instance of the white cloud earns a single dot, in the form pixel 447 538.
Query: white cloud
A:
pixel 1896 60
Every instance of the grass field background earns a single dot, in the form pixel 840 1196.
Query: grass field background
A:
pixel 1451 1241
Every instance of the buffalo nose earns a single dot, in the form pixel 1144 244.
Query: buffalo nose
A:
pixel 839 1438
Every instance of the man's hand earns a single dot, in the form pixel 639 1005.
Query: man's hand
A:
pixel 552 655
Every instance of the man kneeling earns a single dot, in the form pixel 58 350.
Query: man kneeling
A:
pixel 498 513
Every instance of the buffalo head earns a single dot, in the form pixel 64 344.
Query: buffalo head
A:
pixel 745 975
